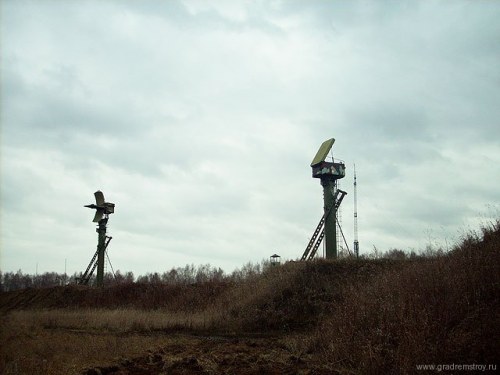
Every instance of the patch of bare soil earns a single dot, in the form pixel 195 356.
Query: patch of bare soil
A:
pixel 216 355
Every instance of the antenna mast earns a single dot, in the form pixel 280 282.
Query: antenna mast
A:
pixel 356 242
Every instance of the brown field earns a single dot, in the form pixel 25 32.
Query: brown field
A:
pixel 55 343
pixel 349 316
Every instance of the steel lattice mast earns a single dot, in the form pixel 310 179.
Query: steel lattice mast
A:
pixel 356 242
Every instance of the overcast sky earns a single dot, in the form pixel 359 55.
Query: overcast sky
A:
pixel 199 120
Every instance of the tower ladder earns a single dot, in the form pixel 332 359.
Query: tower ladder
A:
pixel 85 278
pixel 319 232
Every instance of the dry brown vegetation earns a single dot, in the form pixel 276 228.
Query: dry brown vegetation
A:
pixel 349 316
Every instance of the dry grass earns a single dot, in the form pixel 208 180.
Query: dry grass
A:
pixel 30 347
pixel 351 316
pixel 68 342
pixel 117 320
pixel 444 309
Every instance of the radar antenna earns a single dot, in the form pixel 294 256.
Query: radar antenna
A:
pixel 103 210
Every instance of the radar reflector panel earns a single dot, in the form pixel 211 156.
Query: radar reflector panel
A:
pixel 323 151
pixel 102 207
pixel 99 198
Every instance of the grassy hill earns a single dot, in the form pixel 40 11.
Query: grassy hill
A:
pixel 343 316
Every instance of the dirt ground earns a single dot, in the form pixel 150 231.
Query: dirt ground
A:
pixel 185 354
pixel 47 350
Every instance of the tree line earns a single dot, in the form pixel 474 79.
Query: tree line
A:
pixel 189 274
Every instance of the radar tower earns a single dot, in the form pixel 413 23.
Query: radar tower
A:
pixel 103 210
pixel 328 173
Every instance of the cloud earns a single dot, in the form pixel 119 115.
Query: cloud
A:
pixel 199 120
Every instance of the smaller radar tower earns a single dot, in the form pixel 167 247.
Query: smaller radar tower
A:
pixel 103 210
